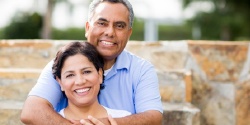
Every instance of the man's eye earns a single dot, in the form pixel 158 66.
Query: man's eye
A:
pixel 120 26
pixel 101 23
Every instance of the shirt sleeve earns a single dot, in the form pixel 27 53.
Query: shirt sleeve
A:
pixel 147 95
pixel 47 87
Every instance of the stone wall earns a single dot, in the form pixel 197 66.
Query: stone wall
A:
pixel 201 82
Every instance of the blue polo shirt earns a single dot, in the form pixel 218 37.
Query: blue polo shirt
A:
pixel 131 85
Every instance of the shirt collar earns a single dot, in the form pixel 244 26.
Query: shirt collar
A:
pixel 122 61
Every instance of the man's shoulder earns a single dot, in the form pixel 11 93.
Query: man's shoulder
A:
pixel 132 56
pixel 135 59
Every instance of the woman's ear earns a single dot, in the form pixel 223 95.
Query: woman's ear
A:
pixel 100 72
pixel 59 81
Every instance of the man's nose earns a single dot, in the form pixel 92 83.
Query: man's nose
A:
pixel 110 31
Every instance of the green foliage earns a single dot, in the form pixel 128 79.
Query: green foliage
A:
pixel 174 32
pixel 222 26
pixel 165 32
pixel 1 34
pixel 25 26
pixel 69 34
pixel 228 21
pixel 138 30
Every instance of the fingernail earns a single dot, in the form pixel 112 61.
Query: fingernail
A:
pixel 89 116
pixel 82 121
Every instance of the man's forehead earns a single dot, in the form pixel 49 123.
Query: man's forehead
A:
pixel 105 12
pixel 106 6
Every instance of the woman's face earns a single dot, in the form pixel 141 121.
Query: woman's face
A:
pixel 80 80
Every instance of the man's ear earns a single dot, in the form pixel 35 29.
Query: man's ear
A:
pixel 59 81
pixel 130 32
pixel 86 29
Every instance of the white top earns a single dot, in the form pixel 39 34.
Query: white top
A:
pixel 113 112
pixel 107 71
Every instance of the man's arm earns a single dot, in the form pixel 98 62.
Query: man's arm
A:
pixel 46 94
pixel 37 110
pixel 151 117
pixel 142 118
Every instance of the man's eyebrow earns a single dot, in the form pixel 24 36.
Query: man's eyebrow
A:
pixel 103 19
pixel 121 22
pixel 118 22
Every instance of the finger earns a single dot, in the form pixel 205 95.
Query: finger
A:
pixel 94 120
pixel 84 122
pixel 74 121
pixel 111 120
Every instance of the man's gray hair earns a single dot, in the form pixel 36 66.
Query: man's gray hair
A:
pixel 126 3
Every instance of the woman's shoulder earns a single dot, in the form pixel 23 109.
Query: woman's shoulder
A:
pixel 61 112
pixel 117 113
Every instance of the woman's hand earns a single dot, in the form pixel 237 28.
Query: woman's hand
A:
pixel 111 120
pixel 94 121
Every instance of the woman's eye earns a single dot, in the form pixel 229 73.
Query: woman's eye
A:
pixel 70 75
pixel 86 72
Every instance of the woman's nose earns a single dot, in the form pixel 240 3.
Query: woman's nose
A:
pixel 80 80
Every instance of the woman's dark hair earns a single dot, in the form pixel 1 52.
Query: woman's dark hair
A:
pixel 73 48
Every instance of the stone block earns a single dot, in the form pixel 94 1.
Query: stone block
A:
pixel 163 55
pixel 10 117
pixel 242 100
pixel 180 114
pixel 220 61
pixel 10 112
pixel 175 85
pixel 15 84
pixel 28 53
pixel 215 100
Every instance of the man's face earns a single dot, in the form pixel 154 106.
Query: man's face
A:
pixel 109 29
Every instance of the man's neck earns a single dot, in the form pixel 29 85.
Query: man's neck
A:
pixel 108 64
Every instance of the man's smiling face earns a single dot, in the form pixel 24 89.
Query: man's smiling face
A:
pixel 109 30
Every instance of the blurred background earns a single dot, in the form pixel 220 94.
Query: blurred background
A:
pixel 155 20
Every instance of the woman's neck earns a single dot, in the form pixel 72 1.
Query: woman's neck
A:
pixel 82 112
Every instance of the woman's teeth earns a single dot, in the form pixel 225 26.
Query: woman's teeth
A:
pixel 82 90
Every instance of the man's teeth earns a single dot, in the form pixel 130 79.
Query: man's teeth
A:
pixel 82 90
pixel 107 43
